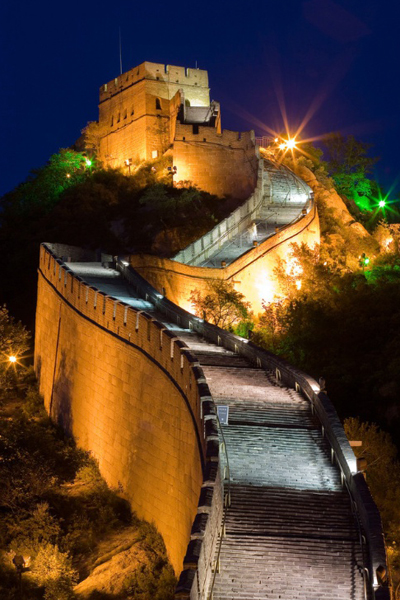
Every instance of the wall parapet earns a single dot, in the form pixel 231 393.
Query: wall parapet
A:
pixel 139 329
pixel 361 499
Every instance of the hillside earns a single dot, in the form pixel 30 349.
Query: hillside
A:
pixel 78 539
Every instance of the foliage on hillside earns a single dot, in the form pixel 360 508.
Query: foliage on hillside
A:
pixel 344 326
pixel 72 202
pixel 56 510
pixel 383 478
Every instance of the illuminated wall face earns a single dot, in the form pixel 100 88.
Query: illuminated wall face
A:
pixel 224 164
pixel 119 404
pixel 252 273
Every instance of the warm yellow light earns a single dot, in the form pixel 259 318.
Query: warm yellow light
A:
pixel 276 140
pixel 282 146
pixel 12 359
pixel 266 288
pixel 293 267
pixel 298 284
pixel 68 175
pixel 291 143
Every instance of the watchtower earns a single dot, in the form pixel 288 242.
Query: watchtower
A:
pixel 138 110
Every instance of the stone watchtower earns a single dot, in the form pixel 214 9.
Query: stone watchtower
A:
pixel 138 110
pixel 155 108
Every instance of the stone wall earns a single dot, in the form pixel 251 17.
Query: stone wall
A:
pixel 128 391
pixel 135 113
pixel 224 164
pixel 252 273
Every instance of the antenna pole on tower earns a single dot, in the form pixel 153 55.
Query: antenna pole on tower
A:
pixel 120 51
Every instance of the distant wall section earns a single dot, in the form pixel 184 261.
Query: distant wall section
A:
pixel 251 273
pixel 127 391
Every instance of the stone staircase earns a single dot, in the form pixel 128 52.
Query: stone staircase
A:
pixel 289 531
pixel 276 214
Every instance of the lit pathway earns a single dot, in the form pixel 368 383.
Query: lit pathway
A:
pixel 289 531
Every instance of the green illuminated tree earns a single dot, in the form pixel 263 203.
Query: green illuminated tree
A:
pixel 349 165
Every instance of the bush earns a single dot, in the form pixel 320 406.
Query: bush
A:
pixel 53 570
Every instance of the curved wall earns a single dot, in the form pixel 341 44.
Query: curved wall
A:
pixel 252 273
pixel 128 392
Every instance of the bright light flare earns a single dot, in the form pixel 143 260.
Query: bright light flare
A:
pixel 289 144
pixel 12 359
pixel 382 203
pixel 88 162
pixel 266 288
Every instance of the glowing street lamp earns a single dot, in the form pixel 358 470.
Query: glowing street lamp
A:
pixel 12 359
pixel 289 144
pixel 364 260
pixel 382 203
pixel 88 162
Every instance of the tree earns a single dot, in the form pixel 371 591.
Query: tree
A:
pixel 221 304
pixel 349 166
pixel 53 570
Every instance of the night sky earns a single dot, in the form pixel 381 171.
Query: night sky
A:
pixel 335 61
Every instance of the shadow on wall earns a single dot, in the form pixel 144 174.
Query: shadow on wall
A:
pixel 61 408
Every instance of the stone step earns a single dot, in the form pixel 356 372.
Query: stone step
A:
pixel 288 569
pixel 282 511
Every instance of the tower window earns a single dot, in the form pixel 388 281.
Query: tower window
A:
pixel 125 113
pixel 195 129
pixel 158 104
pixel 112 121
pixel 132 110
pixel 119 117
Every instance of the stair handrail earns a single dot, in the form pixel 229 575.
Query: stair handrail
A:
pixel 227 501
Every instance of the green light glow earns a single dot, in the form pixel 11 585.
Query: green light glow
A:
pixel 382 203
pixel 366 260
pixel 88 162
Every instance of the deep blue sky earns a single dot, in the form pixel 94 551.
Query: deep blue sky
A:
pixel 342 55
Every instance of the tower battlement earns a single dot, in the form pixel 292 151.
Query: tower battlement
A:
pixel 170 78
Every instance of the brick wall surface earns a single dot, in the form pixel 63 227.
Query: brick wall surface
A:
pixel 126 391
pixel 224 163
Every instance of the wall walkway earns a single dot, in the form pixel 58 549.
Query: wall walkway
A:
pixel 118 367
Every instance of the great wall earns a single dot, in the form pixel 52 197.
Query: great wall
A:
pixel 270 503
